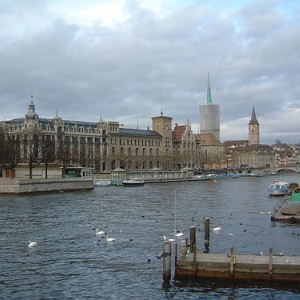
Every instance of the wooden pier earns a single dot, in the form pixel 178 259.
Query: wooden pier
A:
pixel 228 266
pixel 250 267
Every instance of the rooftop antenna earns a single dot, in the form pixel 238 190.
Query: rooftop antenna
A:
pixel 31 97
pixel 161 111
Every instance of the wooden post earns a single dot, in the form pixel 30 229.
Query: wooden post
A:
pixel 195 259
pixel 192 238
pixel 232 259
pixel 167 261
pixel 206 237
pixel 271 261
pixel 183 249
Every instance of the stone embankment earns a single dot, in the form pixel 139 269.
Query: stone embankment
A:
pixel 29 186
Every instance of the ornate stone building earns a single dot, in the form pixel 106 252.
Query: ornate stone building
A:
pixel 103 145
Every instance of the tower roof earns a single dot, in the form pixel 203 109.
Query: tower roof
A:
pixel 208 98
pixel 253 120
pixel 31 114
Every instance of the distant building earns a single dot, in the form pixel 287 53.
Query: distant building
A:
pixel 250 153
pixel 254 136
pixel 186 151
pixel 103 145
pixel 210 115
pixel 211 149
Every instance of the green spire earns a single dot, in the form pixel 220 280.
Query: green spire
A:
pixel 208 98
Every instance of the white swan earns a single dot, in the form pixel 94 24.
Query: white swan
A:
pixel 99 232
pixel 170 240
pixel 31 244
pixel 110 239
pixel 217 229
pixel 178 233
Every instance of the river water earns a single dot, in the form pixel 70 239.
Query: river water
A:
pixel 70 262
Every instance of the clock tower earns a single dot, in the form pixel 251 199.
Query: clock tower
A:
pixel 254 137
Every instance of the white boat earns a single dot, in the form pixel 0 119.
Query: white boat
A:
pixel 98 183
pixel 278 188
pixel 133 182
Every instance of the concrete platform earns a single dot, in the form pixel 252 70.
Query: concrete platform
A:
pixel 30 186
pixel 251 267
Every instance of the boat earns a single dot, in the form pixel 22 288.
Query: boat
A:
pixel 98 183
pixel 278 188
pixel 133 182
pixel 289 208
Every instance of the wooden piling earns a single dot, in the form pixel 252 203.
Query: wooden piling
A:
pixel 206 237
pixel 271 261
pixel 183 248
pixel 192 238
pixel 167 261
pixel 195 259
pixel 232 259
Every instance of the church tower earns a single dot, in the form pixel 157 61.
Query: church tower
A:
pixel 210 115
pixel 254 137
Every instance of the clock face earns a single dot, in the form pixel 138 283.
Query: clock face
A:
pixel 167 127
pixel 252 128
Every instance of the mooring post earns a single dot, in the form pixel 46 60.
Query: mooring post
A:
pixel 271 261
pixel 195 259
pixel 192 238
pixel 183 248
pixel 167 261
pixel 232 259
pixel 206 237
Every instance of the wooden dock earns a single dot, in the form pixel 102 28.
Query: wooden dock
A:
pixel 250 267
pixel 228 266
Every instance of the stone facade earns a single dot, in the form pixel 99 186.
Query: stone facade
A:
pixel 105 145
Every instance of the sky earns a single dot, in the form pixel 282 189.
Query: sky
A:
pixel 129 60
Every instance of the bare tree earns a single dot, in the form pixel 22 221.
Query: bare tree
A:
pixel 9 151
pixel 32 147
pixel 64 153
pixel 48 152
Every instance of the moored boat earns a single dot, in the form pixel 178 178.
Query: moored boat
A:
pixel 289 209
pixel 278 188
pixel 133 182
pixel 98 183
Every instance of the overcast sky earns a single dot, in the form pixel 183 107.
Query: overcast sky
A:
pixel 128 60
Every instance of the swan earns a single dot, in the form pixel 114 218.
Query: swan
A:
pixel 217 229
pixel 110 239
pixel 178 233
pixel 170 240
pixel 99 232
pixel 31 244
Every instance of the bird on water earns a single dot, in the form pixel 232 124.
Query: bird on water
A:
pixel 31 244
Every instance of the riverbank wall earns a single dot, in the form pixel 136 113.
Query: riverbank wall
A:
pixel 36 186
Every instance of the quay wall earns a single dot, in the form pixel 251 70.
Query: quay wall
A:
pixel 28 186
pixel 251 267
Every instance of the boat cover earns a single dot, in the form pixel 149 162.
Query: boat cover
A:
pixel 291 210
